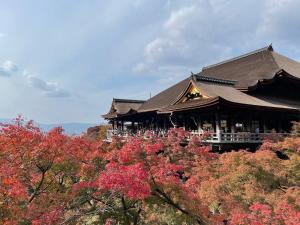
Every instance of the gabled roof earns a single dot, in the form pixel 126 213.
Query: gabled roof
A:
pixel 165 97
pixel 253 67
pixel 122 107
pixel 223 91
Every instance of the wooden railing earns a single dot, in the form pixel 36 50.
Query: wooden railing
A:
pixel 240 137
pixel 221 137
pixel 125 134
pixel 118 133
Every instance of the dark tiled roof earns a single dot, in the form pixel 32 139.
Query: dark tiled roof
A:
pixel 280 101
pixel 290 66
pixel 190 105
pixel 120 100
pixel 213 80
pixel 165 97
pixel 123 106
pixel 229 94
pixel 249 69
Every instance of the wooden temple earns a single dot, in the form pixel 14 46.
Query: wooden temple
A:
pixel 238 101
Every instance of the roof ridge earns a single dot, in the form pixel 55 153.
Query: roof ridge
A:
pixel 267 48
pixel 127 100
pixel 200 77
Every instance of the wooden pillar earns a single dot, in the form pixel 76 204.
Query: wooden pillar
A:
pixel 265 128
pixel 217 123
pixel 176 122
pixel 113 124
pixel 232 126
pixel 218 126
pixel 200 124
pixel 249 123
pixel 280 124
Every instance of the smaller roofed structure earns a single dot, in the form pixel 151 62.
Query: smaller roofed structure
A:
pixel 121 107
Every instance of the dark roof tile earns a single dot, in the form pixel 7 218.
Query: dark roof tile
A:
pixel 249 69
pixel 123 106
pixel 165 97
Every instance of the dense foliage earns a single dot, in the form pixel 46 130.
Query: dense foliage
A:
pixel 52 178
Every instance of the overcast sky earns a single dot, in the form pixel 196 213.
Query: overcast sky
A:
pixel 64 60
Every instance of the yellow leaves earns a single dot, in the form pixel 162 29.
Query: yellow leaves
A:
pixel 208 191
pixel 291 144
pixel 215 208
pixel 245 177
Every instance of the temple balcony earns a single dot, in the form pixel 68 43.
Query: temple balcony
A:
pixel 214 138
pixel 241 137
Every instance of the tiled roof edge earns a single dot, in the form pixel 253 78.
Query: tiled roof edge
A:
pixel 199 77
pixel 128 100
pixel 268 48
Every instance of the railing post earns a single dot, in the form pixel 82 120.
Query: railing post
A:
pixel 218 134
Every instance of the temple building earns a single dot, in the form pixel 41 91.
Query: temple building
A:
pixel 238 101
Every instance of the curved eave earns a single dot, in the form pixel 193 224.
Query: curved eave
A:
pixel 114 116
pixel 148 110
pixel 190 106
pixel 262 107
pixel 108 116
pixel 280 73
pixel 220 100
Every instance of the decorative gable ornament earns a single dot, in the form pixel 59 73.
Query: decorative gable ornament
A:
pixel 192 93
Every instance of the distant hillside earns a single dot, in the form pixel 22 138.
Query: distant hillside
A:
pixel 70 128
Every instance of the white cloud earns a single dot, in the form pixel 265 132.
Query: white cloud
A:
pixel 138 3
pixel 140 67
pixel 180 19
pixel 58 93
pixel 158 48
pixel 281 22
pixel 186 42
pixel 200 32
pixel 49 89
pixel 8 68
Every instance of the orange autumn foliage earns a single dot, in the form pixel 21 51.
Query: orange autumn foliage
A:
pixel 53 178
